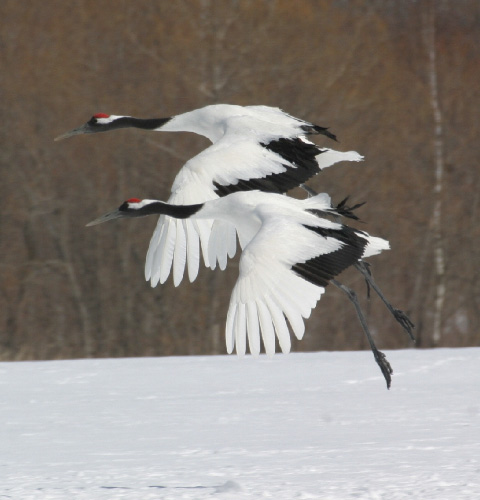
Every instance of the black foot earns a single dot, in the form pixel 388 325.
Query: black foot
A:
pixel 384 365
pixel 404 321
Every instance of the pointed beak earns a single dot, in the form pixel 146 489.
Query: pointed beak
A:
pixel 116 214
pixel 84 129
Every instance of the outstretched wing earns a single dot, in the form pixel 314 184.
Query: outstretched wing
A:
pixel 283 273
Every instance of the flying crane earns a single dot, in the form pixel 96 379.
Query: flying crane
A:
pixel 291 252
pixel 254 148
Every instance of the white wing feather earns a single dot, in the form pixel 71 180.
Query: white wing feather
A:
pixel 193 251
pixel 222 244
pixel 253 328
pixel 268 291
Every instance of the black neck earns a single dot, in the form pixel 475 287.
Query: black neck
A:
pixel 143 123
pixel 160 208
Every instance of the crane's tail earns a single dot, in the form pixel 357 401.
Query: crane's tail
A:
pixel 329 157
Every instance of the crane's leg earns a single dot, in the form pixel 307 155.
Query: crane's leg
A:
pixel 309 190
pixel 399 315
pixel 380 358
pixel 364 268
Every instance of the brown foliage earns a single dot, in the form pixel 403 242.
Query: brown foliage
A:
pixel 360 68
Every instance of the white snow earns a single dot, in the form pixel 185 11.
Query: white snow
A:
pixel 302 426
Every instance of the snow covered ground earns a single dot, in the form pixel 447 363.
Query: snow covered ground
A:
pixel 302 426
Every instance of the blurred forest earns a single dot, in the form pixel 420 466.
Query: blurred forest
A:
pixel 397 81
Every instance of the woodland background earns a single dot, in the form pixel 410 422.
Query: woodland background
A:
pixel 397 81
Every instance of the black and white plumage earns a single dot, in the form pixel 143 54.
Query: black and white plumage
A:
pixel 254 148
pixel 290 254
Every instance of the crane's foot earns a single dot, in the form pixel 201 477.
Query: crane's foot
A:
pixel 404 321
pixel 400 316
pixel 384 365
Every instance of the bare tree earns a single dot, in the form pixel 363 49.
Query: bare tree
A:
pixel 437 194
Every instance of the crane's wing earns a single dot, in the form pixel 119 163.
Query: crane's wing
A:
pixel 273 156
pixel 237 162
pixel 283 273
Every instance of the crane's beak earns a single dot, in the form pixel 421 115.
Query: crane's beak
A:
pixel 84 129
pixel 116 214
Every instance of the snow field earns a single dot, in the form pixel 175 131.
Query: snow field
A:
pixel 301 426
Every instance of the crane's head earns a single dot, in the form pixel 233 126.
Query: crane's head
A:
pixel 133 207
pixel 100 122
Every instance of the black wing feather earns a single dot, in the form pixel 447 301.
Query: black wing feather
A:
pixel 321 269
pixel 296 152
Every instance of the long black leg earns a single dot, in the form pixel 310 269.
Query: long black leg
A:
pixel 364 268
pixel 380 358
pixel 399 315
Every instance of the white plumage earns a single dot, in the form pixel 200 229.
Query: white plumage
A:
pixel 254 147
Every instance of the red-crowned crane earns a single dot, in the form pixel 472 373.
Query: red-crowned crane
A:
pixel 290 254
pixel 254 148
